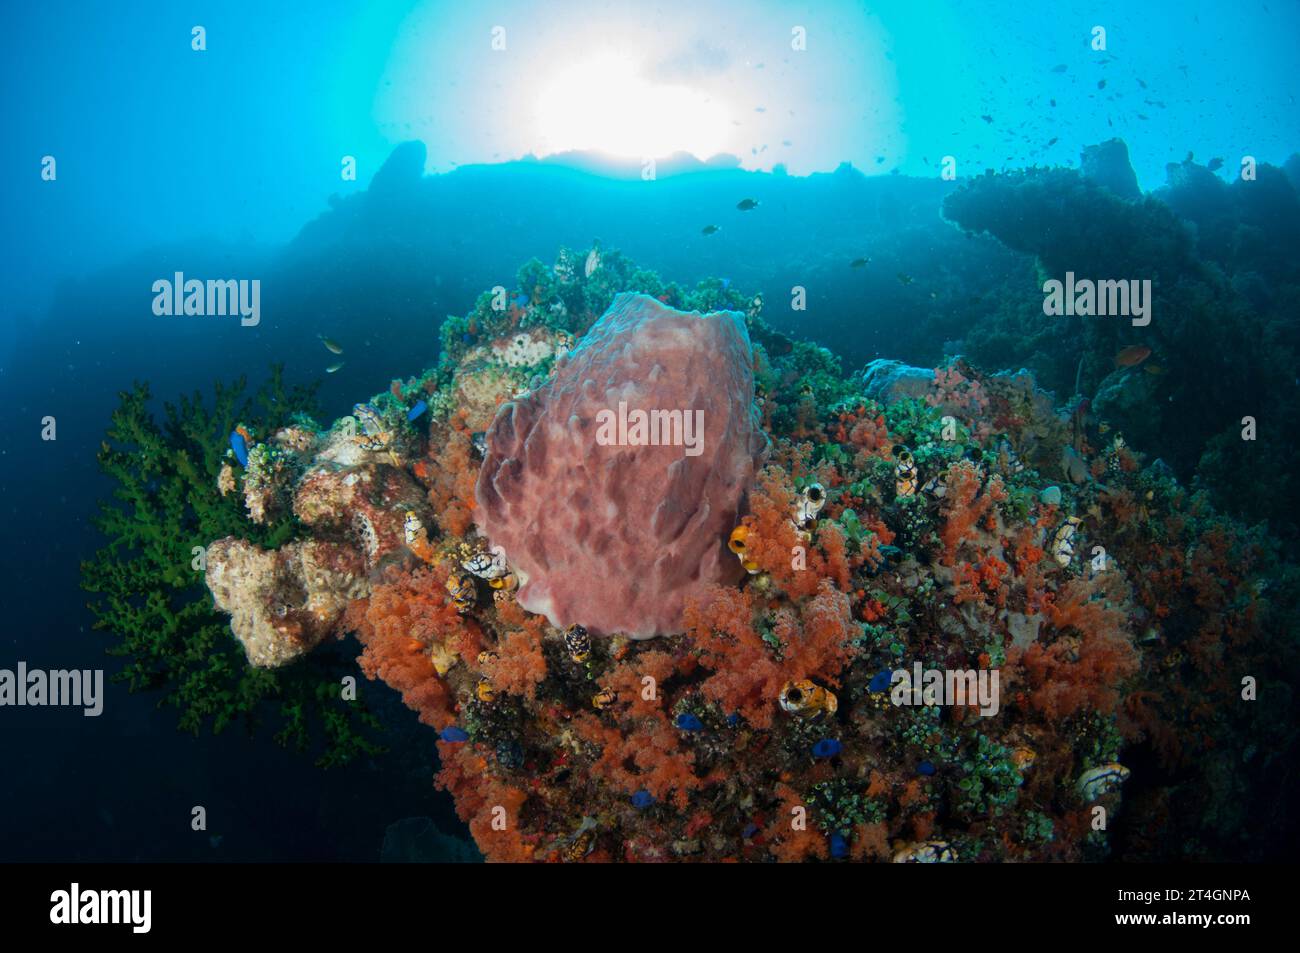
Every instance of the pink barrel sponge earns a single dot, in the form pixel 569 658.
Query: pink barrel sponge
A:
pixel 613 487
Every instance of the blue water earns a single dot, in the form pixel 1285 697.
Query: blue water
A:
pixel 226 163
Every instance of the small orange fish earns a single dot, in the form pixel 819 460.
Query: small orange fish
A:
pixel 1132 356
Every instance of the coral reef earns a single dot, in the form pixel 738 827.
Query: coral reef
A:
pixel 963 526
pixel 1210 251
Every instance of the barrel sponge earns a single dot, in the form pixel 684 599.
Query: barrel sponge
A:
pixel 617 537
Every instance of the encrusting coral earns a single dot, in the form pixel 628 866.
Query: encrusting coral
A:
pixel 939 528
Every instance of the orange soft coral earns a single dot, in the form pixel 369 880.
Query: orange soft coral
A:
pixel 402 626
pixel 838 563
pixel 491 808
pixel 789 842
pixel 746 676
pixel 628 681
pixel 795 564
pixel 451 474
pixel 966 509
pixel 648 756
pixel 1086 670
pixel 863 429
pixel 975 581
pixel 828 630
pixel 1027 558
pixel 404 666
pixel 520 666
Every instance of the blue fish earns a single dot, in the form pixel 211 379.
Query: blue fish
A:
pixel 419 408
pixel 467 338
pixel 522 301
pixel 688 722
pixel 642 799
pixel 750 830
pixel 733 721
pixel 880 681
pixel 826 748
pixel 240 446
pixel 453 734
pixel 726 283
pixel 839 846
pixel 925 767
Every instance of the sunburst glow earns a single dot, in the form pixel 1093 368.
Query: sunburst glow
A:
pixel 607 105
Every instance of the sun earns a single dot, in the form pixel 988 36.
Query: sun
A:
pixel 605 104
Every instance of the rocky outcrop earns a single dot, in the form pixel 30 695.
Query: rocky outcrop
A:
pixel 886 381
pixel 1107 164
